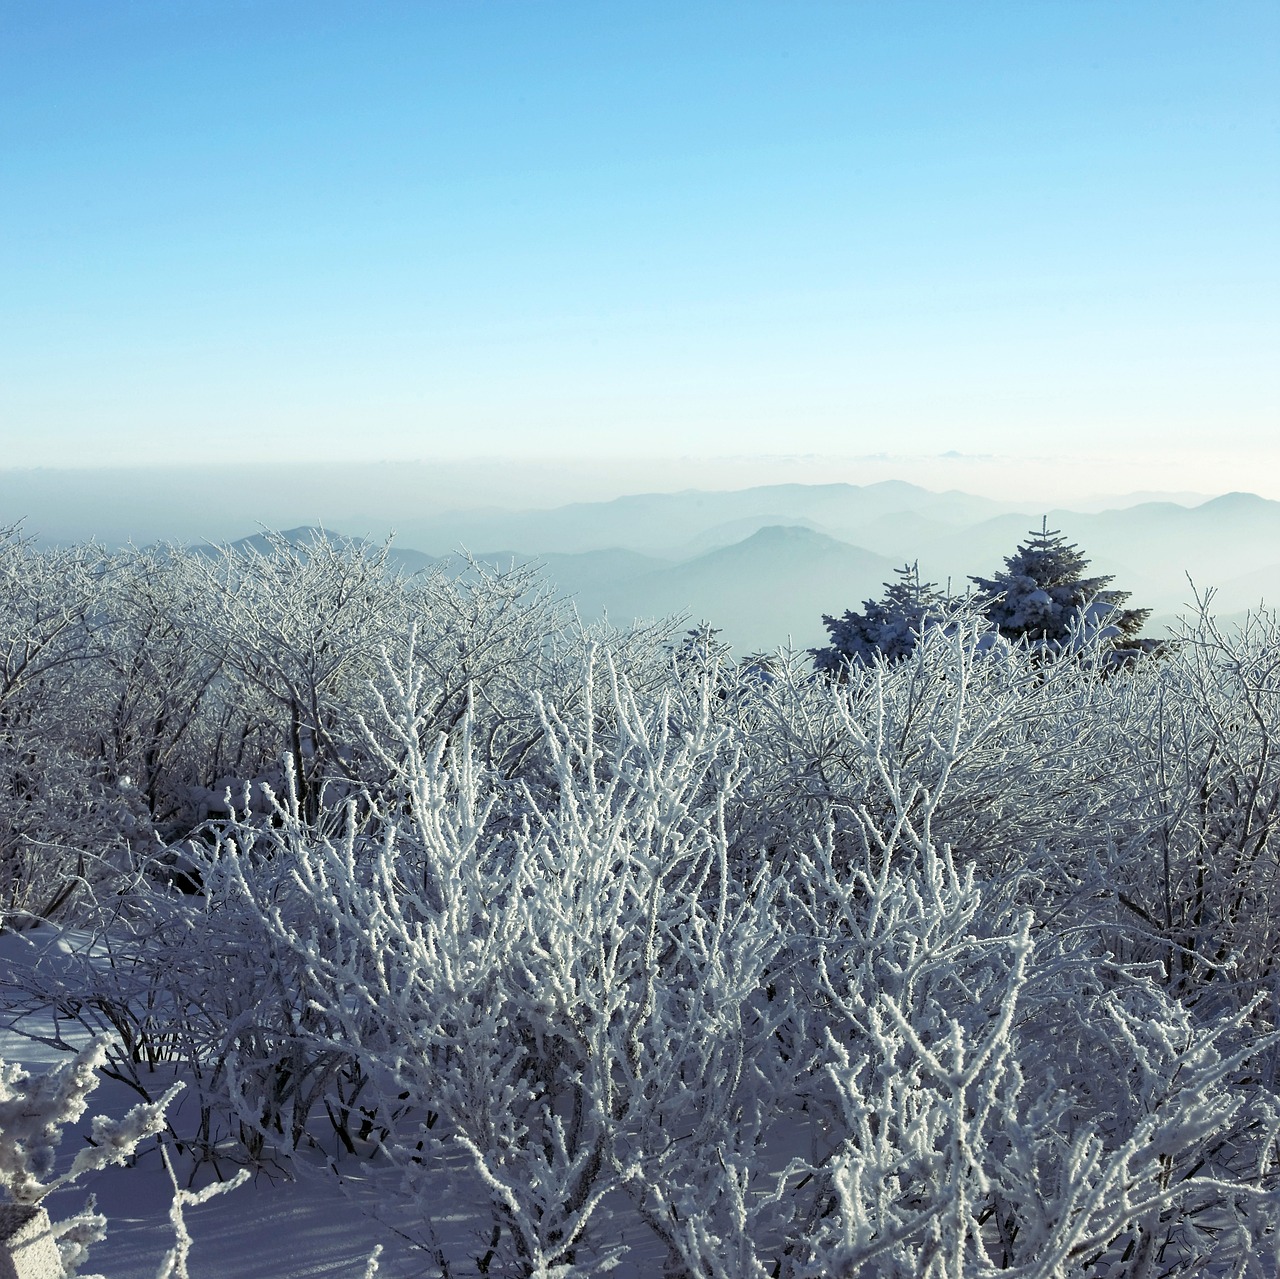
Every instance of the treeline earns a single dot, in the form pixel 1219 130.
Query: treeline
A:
pixel 961 964
pixel 142 690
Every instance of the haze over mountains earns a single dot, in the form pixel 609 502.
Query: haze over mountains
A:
pixel 765 563
pixel 802 552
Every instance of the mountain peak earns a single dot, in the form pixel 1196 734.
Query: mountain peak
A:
pixel 1234 504
pixel 788 535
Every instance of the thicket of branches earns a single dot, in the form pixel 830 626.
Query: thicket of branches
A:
pixel 963 966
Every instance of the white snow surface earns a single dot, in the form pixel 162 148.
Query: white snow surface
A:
pixel 323 1219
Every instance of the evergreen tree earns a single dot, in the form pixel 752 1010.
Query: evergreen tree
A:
pixel 888 629
pixel 1044 596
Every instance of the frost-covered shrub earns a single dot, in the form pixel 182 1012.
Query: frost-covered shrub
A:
pixel 996 1101
pixel 187 989
pixel 1200 891
pixel 1022 750
pixel 949 968
pixel 35 1111
pixel 533 976
pixel 583 991
pixel 60 828
pixel 485 645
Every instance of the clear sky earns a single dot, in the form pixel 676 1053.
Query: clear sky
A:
pixel 268 230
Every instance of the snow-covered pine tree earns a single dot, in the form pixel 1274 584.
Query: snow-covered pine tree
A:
pixel 888 629
pixel 1043 595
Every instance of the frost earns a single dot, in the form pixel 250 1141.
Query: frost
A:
pixel 958 964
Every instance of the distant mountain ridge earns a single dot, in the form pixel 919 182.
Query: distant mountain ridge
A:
pixel 667 523
pixel 771 588
pixel 766 563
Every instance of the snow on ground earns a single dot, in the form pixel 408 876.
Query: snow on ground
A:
pixel 270 1228
pixel 317 1225
pixel 263 1230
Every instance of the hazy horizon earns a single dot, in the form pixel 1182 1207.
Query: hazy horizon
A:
pixel 762 562
pixel 217 501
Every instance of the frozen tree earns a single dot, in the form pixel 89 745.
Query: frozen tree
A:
pixel 487 639
pixel 887 630
pixel 301 627
pixel 699 651
pixel 57 802
pixel 1043 595
pixel 157 671
pixel 49 607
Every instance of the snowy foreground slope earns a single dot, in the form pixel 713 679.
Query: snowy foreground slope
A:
pixel 529 950
pixel 314 1220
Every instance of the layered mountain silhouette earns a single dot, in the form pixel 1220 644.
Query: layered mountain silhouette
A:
pixel 765 563
pixel 769 589
pixel 680 524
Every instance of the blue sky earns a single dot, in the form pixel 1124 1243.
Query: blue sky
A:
pixel 334 231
